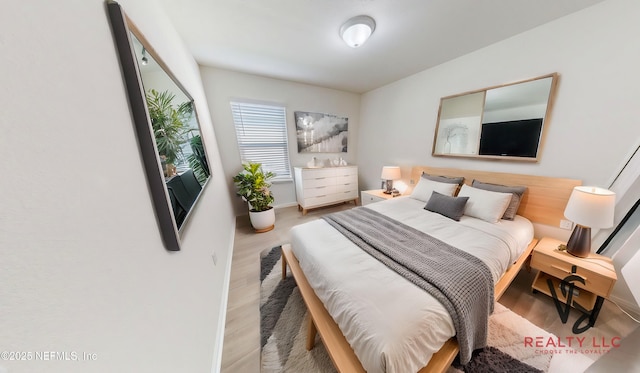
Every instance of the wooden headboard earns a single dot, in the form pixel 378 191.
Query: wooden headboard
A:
pixel 543 202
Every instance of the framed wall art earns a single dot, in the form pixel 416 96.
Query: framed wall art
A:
pixel 167 129
pixel 321 133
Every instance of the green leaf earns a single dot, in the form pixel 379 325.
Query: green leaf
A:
pixel 253 184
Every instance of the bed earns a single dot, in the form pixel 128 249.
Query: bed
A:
pixel 372 319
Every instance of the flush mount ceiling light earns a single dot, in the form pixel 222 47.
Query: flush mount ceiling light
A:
pixel 357 30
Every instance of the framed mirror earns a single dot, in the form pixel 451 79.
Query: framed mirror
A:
pixel 504 122
pixel 167 128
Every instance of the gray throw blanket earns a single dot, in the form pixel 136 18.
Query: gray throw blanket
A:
pixel 458 280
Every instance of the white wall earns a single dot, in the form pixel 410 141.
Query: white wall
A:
pixel 82 264
pixel 222 86
pixel 630 274
pixel 595 119
pixel 594 124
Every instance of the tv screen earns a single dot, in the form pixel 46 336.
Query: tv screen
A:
pixel 517 138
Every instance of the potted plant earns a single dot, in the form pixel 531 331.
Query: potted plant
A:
pixel 197 160
pixel 168 122
pixel 253 186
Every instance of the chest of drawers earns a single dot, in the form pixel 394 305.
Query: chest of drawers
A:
pixel 316 187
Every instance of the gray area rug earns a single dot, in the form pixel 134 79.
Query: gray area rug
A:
pixel 283 327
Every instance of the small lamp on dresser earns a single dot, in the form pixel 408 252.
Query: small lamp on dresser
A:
pixel 588 207
pixel 389 174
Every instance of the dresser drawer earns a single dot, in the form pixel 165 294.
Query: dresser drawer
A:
pixel 348 187
pixel 346 194
pixel 346 179
pixel 319 182
pixel 319 200
pixel 347 171
pixel 594 282
pixel 319 191
pixel 320 173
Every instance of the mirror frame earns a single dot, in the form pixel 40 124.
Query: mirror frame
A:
pixel 123 29
pixel 545 121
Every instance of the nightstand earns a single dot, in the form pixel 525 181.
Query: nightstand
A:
pixel 375 195
pixel 593 277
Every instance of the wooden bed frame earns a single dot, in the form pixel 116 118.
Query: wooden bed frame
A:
pixel 543 202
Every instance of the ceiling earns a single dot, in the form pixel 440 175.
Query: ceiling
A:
pixel 298 40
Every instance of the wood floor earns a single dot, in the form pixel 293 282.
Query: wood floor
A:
pixel 241 349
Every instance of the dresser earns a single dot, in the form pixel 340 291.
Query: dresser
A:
pixel 316 187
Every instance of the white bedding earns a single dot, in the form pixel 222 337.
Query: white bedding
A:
pixel 391 324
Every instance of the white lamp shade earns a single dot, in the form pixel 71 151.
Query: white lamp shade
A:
pixel 391 173
pixel 357 30
pixel 591 207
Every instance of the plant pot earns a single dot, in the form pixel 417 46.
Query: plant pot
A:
pixel 263 221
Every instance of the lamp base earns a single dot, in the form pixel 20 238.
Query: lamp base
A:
pixel 580 242
pixel 389 184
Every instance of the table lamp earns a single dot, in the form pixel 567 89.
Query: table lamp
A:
pixel 588 207
pixel 390 173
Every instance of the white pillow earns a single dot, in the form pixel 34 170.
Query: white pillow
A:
pixel 484 204
pixel 425 187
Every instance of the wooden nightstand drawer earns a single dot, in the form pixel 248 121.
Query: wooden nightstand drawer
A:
pixel 368 198
pixel 597 283
pixel 371 196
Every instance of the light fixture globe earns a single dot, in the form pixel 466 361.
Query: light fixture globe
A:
pixel 357 30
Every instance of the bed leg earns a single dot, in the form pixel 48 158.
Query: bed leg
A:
pixel 311 333
pixel 284 265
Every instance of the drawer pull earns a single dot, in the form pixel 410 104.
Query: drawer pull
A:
pixel 568 272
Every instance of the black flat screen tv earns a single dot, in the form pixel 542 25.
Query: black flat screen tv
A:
pixel 517 138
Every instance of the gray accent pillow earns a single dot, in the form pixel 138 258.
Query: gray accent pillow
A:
pixel 444 179
pixel 451 207
pixel 517 192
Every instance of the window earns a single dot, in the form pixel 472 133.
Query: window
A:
pixel 262 136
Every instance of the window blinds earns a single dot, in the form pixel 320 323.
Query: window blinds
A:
pixel 262 136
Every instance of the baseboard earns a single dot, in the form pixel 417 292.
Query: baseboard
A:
pixel 222 318
pixel 289 204
pixel 627 306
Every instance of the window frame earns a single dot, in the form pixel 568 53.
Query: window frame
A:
pixel 249 139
